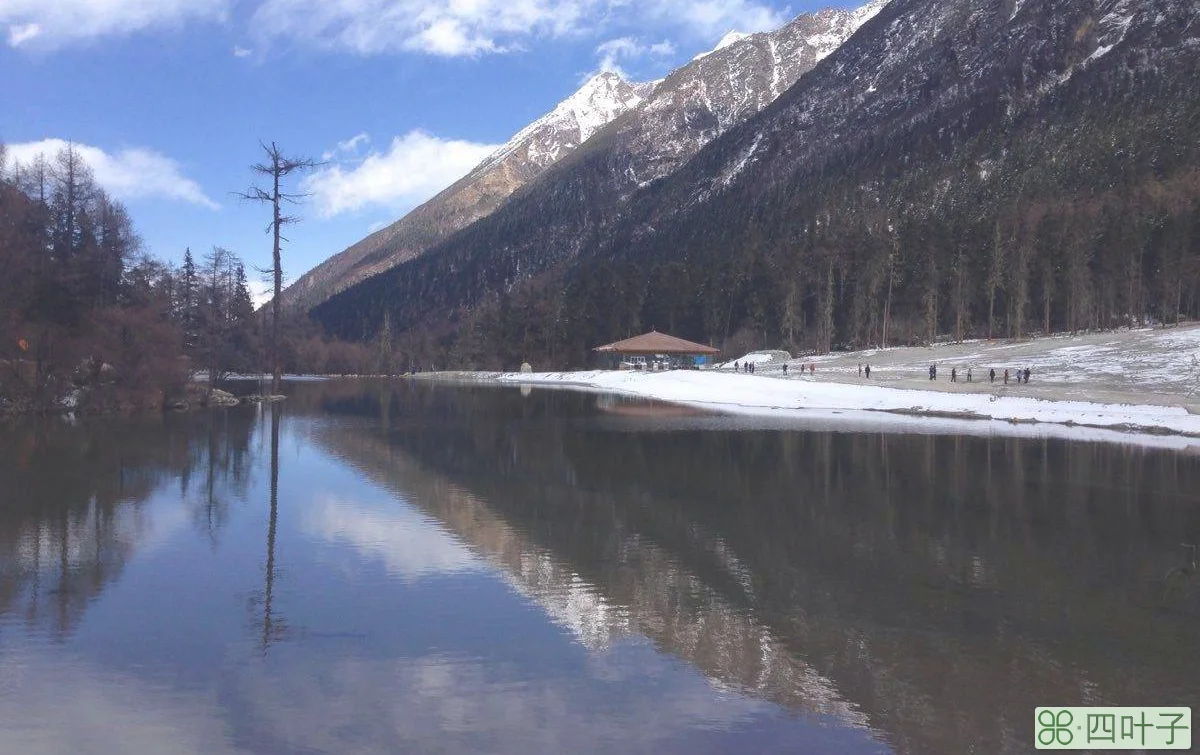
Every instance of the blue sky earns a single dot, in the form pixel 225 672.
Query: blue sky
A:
pixel 169 98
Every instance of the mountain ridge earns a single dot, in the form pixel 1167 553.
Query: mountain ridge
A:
pixel 984 157
pixel 761 66
pixel 523 157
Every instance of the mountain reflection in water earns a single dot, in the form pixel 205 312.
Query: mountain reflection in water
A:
pixel 379 566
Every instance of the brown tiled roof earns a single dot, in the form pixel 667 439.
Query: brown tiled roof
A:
pixel 656 343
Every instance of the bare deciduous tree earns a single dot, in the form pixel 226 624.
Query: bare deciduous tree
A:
pixel 277 167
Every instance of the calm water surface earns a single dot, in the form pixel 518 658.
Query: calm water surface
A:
pixel 396 568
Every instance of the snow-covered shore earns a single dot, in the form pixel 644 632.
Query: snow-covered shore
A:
pixel 768 396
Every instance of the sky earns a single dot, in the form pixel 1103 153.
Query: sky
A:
pixel 168 100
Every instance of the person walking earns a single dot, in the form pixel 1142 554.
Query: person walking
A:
pixel 1026 376
pixel 992 375
pixel 1006 376
pixel 968 374
pixel 812 368
pixel 868 371
pixel 860 369
pixel 953 374
pixel 785 368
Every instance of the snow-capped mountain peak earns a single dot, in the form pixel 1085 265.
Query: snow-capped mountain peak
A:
pixel 731 37
pixel 535 148
pixel 572 122
pixel 659 126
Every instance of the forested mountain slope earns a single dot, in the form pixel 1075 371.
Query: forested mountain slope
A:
pixel 535 148
pixel 980 166
pixel 678 116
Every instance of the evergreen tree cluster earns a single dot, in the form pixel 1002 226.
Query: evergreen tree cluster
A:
pixel 81 305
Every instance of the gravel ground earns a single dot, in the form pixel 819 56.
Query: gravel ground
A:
pixel 1148 366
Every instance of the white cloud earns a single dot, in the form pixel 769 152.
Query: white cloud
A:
pixel 348 147
pixel 134 173
pixel 662 49
pixel 712 18
pixel 449 28
pixel 474 27
pixel 261 291
pixel 436 27
pixel 614 51
pixel 51 23
pixel 415 167
pixel 19 34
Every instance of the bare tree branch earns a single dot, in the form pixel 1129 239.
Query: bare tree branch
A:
pixel 277 168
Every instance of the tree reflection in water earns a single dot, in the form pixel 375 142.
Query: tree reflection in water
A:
pixel 72 500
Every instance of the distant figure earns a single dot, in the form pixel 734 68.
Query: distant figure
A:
pixel 736 367
pixel 785 368
pixel 992 375
pixel 1026 376
pixel 868 372
pixel 1006 376
pixel 968 374
pixel 860 369
pixel 953 374
pixel 812 369
pixel 932 372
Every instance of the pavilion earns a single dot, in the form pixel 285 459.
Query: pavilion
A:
pixel 654 350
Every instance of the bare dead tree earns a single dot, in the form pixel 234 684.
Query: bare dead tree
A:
pixel 277 167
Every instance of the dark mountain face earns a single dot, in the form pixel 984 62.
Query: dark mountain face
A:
pixel 664 124
pixel 982 166
pixel 535 148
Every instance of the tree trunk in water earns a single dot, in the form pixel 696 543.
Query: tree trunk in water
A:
pixel 276 365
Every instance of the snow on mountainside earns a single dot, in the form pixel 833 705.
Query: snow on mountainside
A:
pixel 573 122
pixel 726 41
pixel 723 87
pixel 535 148
pixel 655 128
pixel 550 219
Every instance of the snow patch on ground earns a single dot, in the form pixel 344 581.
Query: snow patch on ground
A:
pixel 754 394
pixel 754 357
pixel 1133 386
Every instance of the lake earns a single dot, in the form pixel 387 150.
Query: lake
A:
pixel 400 566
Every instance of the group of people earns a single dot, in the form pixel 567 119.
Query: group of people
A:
pixel 749 368
pixel 1022 375
pixel 864 370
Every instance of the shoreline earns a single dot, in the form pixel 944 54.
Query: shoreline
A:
pixel 755 392
pixel 833 398
pixel 1138 383
pixel 811 398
